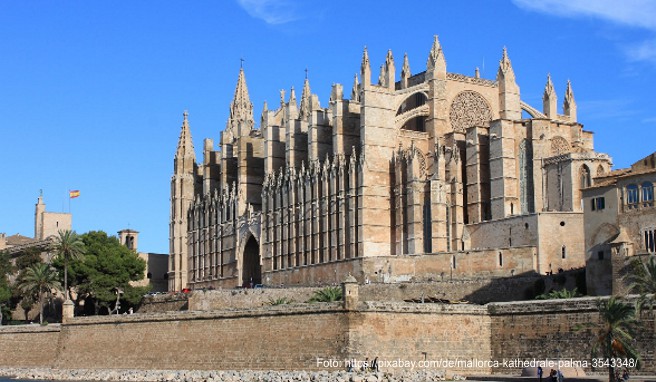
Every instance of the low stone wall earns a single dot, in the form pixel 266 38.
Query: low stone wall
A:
pixel 541 330
pixel 29 345
pixel 323 336
pixel 165 302
pixel 239 339
pixel 246 298
pixel 478 290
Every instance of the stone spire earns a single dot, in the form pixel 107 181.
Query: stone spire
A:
pixel 436 60
pixel 569 104
pixel 509 104
pixel 549 99
pixel 185 156
pixel 405 72
pixel 304 113
pixel 241 109
pixel 365 69
pixel 506 71
pixel 355 91
pixel 292 106
pixel 390 71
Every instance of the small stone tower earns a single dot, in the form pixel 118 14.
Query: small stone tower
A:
pixel 129 238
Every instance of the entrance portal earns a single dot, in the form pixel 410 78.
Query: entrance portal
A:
pixel 251 270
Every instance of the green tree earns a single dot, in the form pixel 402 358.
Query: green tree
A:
pixel 68 247
pixel 614 332
pixel 107 266
pixel 39 279
pixel 643 281
pixel 5 291
pixel 327 294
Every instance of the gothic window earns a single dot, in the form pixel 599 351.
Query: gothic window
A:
pixel 469 109
pixel 647 194
pixel 632 195
pixel 584 177
pixel 601 171
pixel 526 176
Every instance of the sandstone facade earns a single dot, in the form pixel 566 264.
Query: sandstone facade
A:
pixel 620 223
pixel 434 164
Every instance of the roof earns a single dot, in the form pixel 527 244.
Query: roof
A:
pixel 646 165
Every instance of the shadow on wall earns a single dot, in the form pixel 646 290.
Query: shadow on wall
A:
pixel 527 286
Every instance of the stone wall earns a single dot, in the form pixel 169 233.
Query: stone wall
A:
pixel 161 303
pixel 546 330
pixel 276 338
pixel 29 345
pixel 428 333
pixel 246 298
pixel 478 291
pixel 294 336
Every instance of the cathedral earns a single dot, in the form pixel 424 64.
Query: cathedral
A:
pixel 424 177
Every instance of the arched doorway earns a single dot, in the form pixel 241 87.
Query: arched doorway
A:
pixel 251 270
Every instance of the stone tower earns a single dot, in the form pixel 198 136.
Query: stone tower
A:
pixel 129 238
pixel 183 188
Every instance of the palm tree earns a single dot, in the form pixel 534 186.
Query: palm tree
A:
pixel 643 281
pixel 328 294
pixel 615 331
pixel 68 246
pixel 39 279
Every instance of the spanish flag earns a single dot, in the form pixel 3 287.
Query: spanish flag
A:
pixel 73 193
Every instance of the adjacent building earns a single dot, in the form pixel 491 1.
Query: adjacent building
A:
pixel 156 271
pixel 620 223
pixel 411 177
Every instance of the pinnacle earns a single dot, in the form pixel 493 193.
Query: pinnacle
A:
pixel 435 53
pixel 185 143
pixel 241 108
pixel 365 59
pixel 406 66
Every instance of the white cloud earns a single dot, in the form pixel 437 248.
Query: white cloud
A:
pixel 273 12
pixel 635 13
pixel 632 13
pixel 645 51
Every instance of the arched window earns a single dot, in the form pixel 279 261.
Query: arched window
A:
pixel 647 194
pixel 601 171
pixel 584 176
pixel 632 195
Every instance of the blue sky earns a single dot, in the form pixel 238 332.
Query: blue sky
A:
pixel 92 93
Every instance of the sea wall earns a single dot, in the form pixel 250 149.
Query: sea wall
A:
pixel 29 345
pixel 558 329
pixel 322 336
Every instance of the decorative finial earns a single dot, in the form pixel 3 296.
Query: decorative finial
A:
pixel 185 114
pixel 241 63
pixel 306 73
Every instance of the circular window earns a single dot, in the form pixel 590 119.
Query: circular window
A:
pixel 562 224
